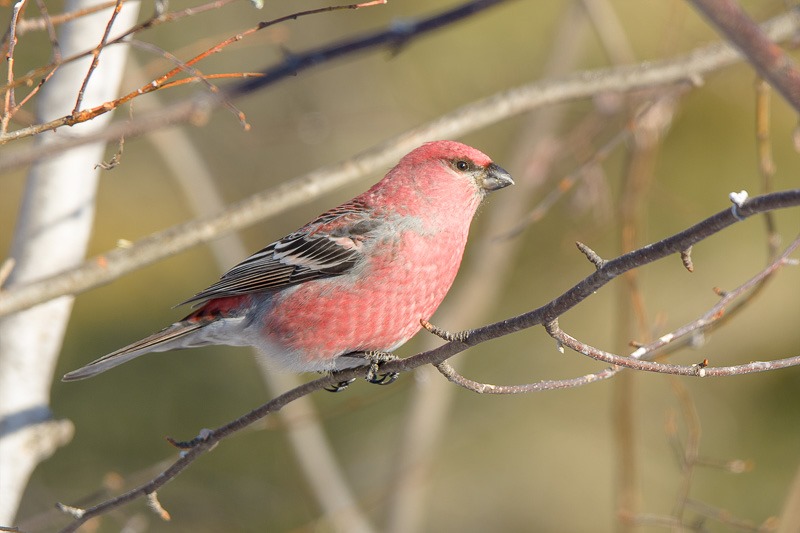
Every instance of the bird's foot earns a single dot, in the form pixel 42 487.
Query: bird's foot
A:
pixel 460 336
pixel 376 359
pixel 339 387
pixel 189 444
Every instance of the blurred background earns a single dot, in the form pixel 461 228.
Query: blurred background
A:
pixel 550 461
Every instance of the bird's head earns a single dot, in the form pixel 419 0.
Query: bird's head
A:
pixel 443 164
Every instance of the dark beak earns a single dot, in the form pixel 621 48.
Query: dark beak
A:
pixel 495 178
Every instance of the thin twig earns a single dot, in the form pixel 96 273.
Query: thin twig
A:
pixel 56 47
pixel 46 22
pixel 96 55
pixel 485 388
pixel 696 370
pixel 687 453
pixel 769 60
pixel 197 109
pixel 719 310
pixel 158 84
pixel 49 25
pixel 8 100
pixel 766 163
pixel 157 19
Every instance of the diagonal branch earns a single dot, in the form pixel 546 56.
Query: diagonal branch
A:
pixel 546 315
pixel 610 270
pixel 769 60
pixel 719 310
pixel 96 56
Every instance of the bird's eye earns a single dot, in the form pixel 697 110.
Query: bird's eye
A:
pixel 462 165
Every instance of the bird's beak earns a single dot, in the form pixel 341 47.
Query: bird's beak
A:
pixel 495 178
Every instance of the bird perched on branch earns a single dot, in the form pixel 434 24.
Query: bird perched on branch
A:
pixel 352 285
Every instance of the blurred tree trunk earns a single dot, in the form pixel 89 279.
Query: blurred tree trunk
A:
pixel 52 233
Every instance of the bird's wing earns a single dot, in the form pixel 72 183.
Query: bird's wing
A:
pixel 329 246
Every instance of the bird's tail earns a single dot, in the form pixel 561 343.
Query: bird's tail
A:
pixel 178 335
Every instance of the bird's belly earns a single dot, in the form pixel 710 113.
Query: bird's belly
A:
pixel 377 309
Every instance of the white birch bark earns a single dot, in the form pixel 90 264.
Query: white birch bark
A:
pixel 51 235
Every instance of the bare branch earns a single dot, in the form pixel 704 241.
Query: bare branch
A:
pixel 769 60
pixel 47 22
pixel 8 100
pixel 699 369
pixel 197 110
pixel 612 269
pixel 690 68
pixel 546 315
pixel 485 388
pixel 720 309
pixel 198 447
pixel 96 56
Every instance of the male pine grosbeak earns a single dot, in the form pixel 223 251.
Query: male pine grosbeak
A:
pixel 357 280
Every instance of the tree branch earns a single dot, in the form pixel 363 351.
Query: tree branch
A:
pixel 546 315
pixel 768 59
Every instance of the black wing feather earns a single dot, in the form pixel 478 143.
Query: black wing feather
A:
pixel 312 252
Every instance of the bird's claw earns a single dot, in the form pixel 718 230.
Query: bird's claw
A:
pixel 189 444
pixel 382 379
pixel 339 387
pixel 375 360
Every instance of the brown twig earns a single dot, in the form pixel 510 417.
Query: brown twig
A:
pixel 79 116
pixel 157 19
pixel 46 22
pixel 56 47
pixel 766 164
pixel 96 55
pixel 485 388
pixel 718 311
pixel 8 100
pixel 686 453
pixel 188 66
pixel 196 110
pixel 49 25
pixel 696 370
pixel 156 85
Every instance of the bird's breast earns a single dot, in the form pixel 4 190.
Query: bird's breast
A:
pixel 378 306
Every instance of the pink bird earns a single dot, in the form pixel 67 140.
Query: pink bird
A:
pixel 351 286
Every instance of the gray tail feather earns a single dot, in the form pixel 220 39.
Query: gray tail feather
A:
pixel 169 338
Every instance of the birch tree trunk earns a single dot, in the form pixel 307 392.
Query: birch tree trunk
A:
pixel 52 232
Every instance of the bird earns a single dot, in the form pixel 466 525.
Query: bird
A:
pixel 349 287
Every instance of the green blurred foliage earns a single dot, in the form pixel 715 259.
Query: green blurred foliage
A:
pixel 540 462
